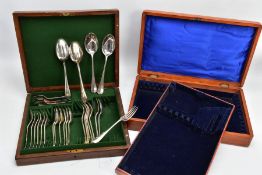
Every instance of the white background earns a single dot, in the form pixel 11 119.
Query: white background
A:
pixel 229 159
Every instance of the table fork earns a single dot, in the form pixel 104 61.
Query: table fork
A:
pixel 124 118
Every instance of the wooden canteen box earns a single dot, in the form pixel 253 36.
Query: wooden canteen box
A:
pixel 37 34
pixel 207 53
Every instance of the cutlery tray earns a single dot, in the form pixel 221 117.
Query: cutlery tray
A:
pixel 114 144
pixel 37 34
pixel 109 115
pixel 212 54
pixel 153 91
pixel 179 138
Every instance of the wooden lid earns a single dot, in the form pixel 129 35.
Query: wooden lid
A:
pixel 172 73
pixel 37 34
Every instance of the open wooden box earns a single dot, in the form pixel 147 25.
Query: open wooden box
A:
pixel 37 33
pixel 211 54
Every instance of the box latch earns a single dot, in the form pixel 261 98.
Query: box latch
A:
pixel 65 14
pixel 75 151
pixel 224 85
pixel 153 76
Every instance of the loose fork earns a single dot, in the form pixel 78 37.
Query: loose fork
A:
pixel 124 118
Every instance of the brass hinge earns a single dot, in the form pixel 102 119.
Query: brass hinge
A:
pixel 224 85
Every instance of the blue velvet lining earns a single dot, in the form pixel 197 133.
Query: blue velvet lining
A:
pixel 181 135
pixel 194 48
pixel 237 122
pixel 148 94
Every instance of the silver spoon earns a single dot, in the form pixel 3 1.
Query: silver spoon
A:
pixel 62 53
pixel 108 47
pixel 76 55
pixel 91 46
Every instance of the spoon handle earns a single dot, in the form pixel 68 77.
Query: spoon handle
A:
pixel 93 80
pixel 67 90
pixel 83 93
pixel 101 85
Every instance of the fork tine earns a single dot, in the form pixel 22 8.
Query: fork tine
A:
pixel 131 112
pixel 125 118
pixel 134 108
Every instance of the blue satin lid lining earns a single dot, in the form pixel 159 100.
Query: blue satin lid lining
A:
pixel 194 48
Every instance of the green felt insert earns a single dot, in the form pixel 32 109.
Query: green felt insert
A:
pixel 110 114
pixel 39 37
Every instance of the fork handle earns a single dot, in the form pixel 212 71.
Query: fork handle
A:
pixel 100 137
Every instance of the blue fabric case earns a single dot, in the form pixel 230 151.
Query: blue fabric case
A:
pixel 194 48
pixel 181 135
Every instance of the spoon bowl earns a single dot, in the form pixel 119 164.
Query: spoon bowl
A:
pixel 76 52
pixel 108 45
pixel 91 43
pixel 62 50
